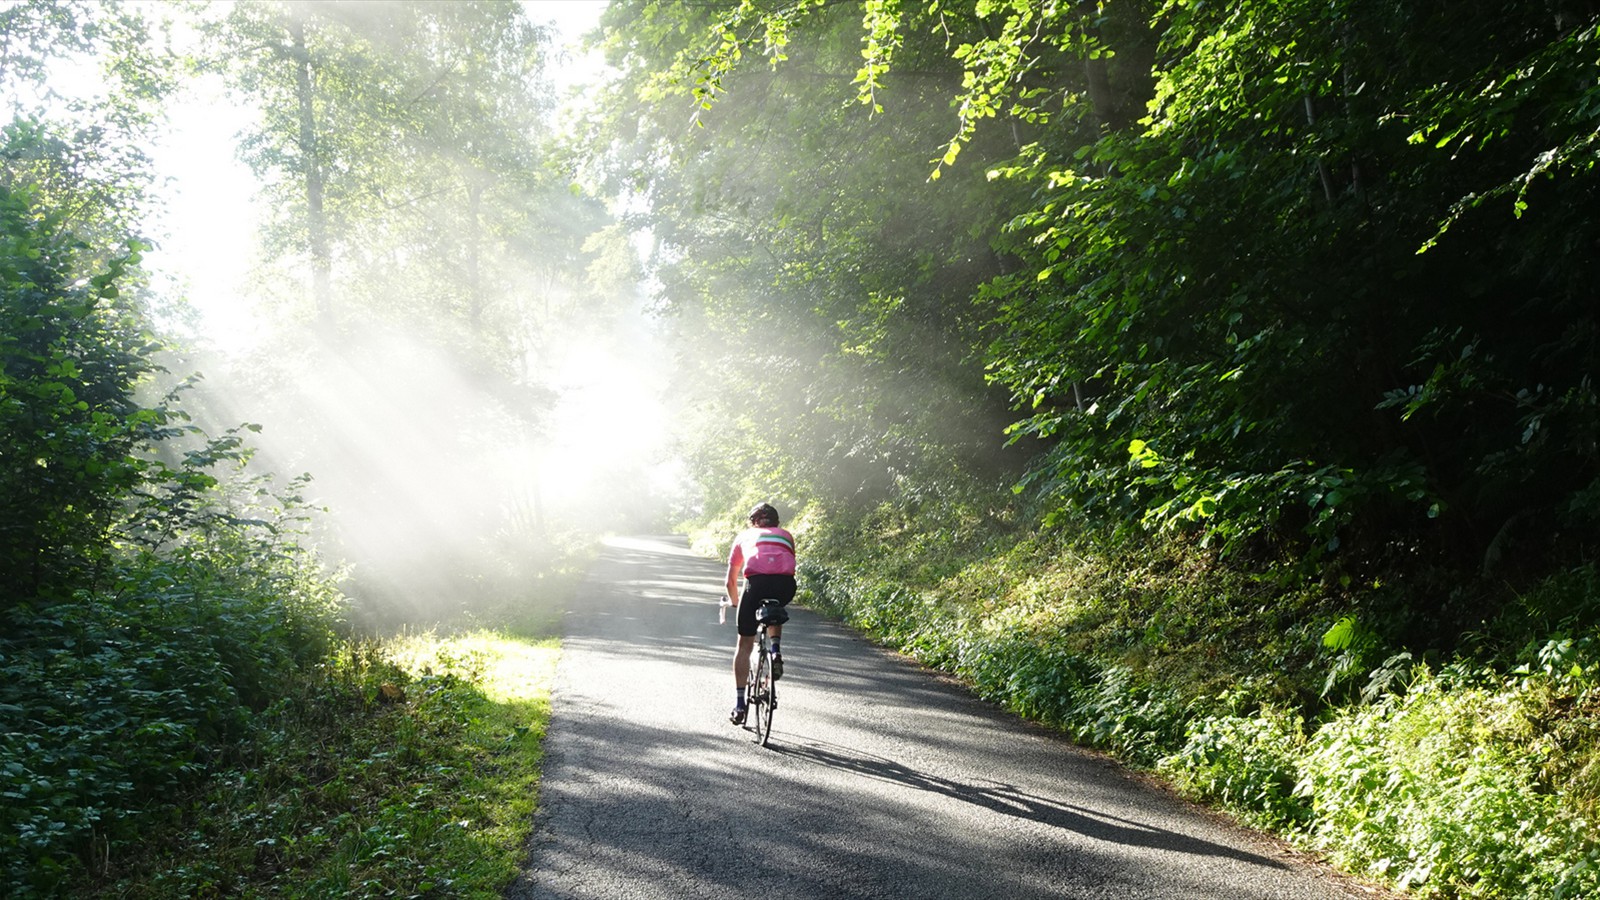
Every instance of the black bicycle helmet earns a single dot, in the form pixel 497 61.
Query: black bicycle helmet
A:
pixel 765 515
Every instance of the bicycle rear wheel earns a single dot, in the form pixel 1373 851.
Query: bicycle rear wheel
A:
pixel 764 696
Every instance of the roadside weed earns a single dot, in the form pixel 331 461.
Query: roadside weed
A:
pixel 408 769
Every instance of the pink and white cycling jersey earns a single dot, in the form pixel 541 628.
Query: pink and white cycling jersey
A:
pixel 763 551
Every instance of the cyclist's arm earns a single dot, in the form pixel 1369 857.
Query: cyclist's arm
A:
pixel 735 565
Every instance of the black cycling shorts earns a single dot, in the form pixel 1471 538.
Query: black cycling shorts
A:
pixel 758 588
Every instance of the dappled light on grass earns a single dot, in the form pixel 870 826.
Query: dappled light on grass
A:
pixel 401 769
pixel 511 670
pixel 499 732
pixel 442 777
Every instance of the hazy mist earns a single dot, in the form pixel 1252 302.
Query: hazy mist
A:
pixel 489 387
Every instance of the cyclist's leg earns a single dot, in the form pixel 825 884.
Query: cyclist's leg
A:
pixel 741 673
pixel 746 626
pixel 741 659
pixel 772 645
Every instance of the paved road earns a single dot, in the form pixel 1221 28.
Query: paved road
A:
pixel 881 781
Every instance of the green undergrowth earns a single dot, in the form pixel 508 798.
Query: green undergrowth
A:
pixel 407 768
pixel 1447 775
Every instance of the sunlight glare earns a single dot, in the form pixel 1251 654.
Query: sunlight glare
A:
pixel 211 220
pixel 609 426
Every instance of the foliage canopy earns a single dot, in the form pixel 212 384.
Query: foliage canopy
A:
pixel 1310 282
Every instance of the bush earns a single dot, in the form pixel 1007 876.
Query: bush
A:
pixel 1440 791
pixel 1247 764
pixel 402 768
pixel 112 701
pixel 1015 656
pixel 71 350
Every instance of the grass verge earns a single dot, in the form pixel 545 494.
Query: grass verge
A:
pixel 403 769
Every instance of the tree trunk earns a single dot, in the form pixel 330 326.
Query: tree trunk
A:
pixel 1322 167
pixel 1104 103
pixel 311 163
pixel 474 255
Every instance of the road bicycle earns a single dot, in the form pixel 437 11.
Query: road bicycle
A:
pixel 761 691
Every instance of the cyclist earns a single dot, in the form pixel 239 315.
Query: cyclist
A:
pixel 764 555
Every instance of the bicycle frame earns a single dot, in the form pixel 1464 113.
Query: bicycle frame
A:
pixel 761 689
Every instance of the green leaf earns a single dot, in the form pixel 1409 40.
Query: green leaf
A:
pixel 1341 635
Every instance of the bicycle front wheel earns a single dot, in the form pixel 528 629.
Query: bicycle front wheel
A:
pixel 765 697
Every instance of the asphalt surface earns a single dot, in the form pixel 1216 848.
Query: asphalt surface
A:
pixel 881 779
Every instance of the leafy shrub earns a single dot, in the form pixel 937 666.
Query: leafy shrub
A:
pixel 110 702
pixel 1440 791
pixel 1127 714
pixel 1248 764
pixel 71 350
pixel 402 768
pixel 1014 656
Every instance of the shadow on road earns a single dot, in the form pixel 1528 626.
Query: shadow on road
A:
pixel 883 780
pixel 1009 800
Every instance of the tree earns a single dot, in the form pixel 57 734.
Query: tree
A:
pixel 1244 292
pixel 813 275
pixel 71 349
pixel 1230 287
pixel 403 150
pixel 74 339
pixel 145 606
pixel 399 148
